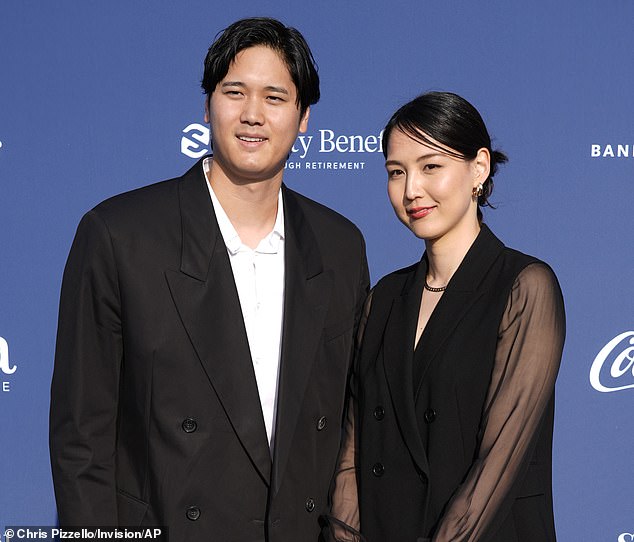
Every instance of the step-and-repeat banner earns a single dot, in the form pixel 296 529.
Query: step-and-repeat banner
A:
pixel 100 97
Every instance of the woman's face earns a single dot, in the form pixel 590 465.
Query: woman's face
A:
pixel 432 191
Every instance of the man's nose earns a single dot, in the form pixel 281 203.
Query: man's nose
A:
pixel 252 112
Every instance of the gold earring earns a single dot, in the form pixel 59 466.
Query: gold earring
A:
pixel 477 190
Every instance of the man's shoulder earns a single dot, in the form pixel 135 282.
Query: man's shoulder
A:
pixel 154 202
pixel 139 199
pixel 318 213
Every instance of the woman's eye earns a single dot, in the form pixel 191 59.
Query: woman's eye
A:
pixel 394 173
pixel 429 167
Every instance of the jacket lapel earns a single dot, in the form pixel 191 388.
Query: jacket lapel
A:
pixel 205 295
pixel 398 354
pixel 306 299
pixel 462 291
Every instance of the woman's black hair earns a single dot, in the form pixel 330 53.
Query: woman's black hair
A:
pixel 286 41
pixel 452 121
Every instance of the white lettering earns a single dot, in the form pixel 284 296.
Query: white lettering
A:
pixel 370 141
pixel 334 165
pixel 626 537
pixel 305 142
pixel 6 387
pixel 324 140
pixel 5 366
pixel 349 143
pixel 197 143
pixel 612 151
pixel 622 363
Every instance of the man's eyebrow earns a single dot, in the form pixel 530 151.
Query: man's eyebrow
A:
pixel 270 88
pixel 281 90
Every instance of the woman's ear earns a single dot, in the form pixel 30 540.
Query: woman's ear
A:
pixel 482 166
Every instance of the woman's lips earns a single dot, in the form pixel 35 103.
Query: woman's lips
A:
pixel 419 212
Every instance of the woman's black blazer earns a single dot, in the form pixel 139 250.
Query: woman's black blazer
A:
pixel 454 437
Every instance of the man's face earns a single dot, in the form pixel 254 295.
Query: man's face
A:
pixel 254 118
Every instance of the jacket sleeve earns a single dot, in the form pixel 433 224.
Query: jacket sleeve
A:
pixel 85 385
pixel 530 343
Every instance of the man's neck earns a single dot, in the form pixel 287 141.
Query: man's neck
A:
pixel 251 207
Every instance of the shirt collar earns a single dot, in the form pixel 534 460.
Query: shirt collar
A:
pixel 269 245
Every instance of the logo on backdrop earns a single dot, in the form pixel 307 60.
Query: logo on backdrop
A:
pixel 626 537
pixel 5 365
pixel 613 367
pixel 617 150
pixel 325 149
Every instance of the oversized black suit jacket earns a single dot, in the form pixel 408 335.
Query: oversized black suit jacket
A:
pixel 155 415
pixel 421 414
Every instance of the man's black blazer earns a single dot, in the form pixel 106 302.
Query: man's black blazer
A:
pixel 155 415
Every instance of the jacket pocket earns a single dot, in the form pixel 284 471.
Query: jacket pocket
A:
pixel 131 510
pixel 338 328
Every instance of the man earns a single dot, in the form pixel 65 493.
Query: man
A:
pixel 206 325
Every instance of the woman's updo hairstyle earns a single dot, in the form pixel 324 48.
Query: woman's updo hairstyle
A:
pixel 452 121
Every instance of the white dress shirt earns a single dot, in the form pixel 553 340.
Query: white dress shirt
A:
pixel 259 279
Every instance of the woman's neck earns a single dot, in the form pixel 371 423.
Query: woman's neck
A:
pixel 444 255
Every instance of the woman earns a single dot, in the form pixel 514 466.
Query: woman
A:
pixel 454 379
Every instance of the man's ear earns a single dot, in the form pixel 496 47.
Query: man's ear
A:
pixel 303 123
pixel 207 98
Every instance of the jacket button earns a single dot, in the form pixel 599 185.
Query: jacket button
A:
pixel 430 415
pixel 310 505
pixel 193 513
pixel 379 413
pixel 378 469
pixel 322 423
pixel 189 425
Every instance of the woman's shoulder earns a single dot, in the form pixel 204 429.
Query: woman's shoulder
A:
pixel 528 269
pixel 395 281
pixel 533 279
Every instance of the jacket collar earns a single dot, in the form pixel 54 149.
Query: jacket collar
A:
pixel 462 291
pixel 206 298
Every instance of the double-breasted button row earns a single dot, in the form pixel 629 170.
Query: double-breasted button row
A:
pixel 429 415
pixel 193 513
pixel 379 413
pixel 378 469
pixel 189 425
pixel 310 504
pixel 322 423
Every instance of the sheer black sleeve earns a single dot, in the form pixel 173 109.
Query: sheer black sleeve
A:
pixel 342 525
pixel 530 342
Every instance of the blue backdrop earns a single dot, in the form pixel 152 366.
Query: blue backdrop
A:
pixel 100 97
